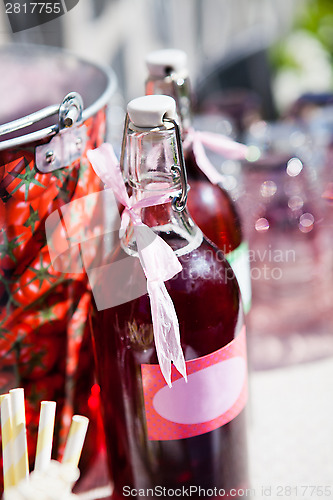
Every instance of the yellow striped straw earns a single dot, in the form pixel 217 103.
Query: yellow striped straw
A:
pixel 75 440
pixel 20 447
pixel 45 435
pixel 7 442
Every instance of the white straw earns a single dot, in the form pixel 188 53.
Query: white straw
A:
pixel 7 442
pixel 75 440
pixel 20 447
pixel 45 435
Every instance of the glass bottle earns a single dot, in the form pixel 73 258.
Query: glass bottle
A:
pixel 210 205
pixel 155 435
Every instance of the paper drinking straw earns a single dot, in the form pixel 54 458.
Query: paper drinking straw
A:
pixel 75 440
pixel 20 447
pixel 45 435
pixel 7 442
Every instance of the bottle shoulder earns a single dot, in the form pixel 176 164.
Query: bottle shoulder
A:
pixel 212 208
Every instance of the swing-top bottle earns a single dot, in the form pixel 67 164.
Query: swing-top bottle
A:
pixel 192 435
pixel 210 204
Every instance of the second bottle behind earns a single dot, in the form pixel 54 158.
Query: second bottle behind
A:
pixel 210 205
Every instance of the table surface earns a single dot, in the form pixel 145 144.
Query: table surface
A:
pixel 291 430
pixel 290 435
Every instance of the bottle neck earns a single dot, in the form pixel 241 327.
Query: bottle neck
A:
pixel 178 87
pixel 152 161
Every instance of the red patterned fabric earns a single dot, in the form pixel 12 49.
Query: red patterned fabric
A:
pixel 44 335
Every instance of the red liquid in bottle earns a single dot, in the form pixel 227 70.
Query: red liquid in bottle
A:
pixel 212 208
pixel 207 306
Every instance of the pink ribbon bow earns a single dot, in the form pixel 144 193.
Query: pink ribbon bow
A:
pixel 219 144
pixel 157 259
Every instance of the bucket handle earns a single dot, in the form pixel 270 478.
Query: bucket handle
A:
pixel 69 111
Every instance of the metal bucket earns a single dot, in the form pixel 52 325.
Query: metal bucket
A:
pixel 53 109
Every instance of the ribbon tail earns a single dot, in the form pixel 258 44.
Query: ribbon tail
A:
pixel 157 258
pixel 160 264
pixel 222 144
pixel 125 218
pixel 166 331
pixel 205 165
pixel 105 164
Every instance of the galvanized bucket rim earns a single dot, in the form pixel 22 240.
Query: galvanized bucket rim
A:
pixel 88 112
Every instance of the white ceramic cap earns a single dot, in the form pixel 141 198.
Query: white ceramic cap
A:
pixel 148 111
pixel 163 62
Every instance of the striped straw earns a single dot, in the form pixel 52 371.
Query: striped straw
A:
pixel 20 447
pixel 7 442
pixel 75 440
pixel 45 435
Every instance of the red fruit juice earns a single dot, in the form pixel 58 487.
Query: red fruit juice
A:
pixel 212 208
pixel 206 299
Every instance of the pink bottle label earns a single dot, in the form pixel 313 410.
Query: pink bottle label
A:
pixel 215 393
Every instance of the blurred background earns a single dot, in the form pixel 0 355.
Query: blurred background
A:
pixel 279 49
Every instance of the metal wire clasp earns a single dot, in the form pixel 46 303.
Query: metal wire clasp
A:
pixel 123 148
pixel 182 96
pixel 179 202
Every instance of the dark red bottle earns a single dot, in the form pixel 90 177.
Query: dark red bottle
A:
pixel 191 437
pixel 209 204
